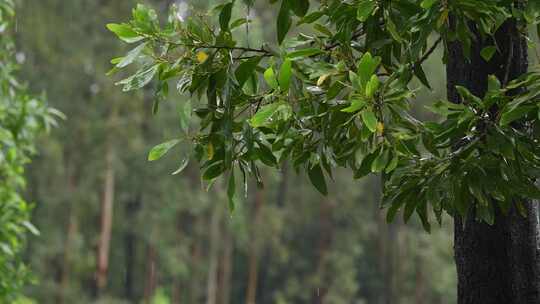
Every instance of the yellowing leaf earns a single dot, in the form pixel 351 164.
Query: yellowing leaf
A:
pixel 443 19
pixel 322 79
pixel 210 151
pixel 380 128
pixel 201 56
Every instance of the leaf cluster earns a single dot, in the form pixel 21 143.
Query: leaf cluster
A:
pixel 338 95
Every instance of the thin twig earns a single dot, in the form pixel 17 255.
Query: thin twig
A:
pixel 221 47
pixel 252 56
pixel 335 44
pixel 428 53
pixel 509 60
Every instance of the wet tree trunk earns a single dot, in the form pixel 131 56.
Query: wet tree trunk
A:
pixel 500 263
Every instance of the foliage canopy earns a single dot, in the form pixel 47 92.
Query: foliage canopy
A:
pixel 336 91
pixel 22 118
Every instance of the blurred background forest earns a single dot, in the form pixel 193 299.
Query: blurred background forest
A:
pixel 118 229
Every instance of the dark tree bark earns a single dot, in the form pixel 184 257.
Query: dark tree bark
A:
pixel 500 263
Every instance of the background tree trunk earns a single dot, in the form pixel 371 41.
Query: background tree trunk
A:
pixel 130 246
pixel 151 276
pixel 326 236
pixel 106 221
pixel 226 269
pixel 253 259
pixel 213 256
pixel 500 263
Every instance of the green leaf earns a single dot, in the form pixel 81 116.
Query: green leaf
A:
pixel 488 52
pixel 426 4
pixel 131 56
pixel 365 9
pixel 31 228
pixel 421 75
pixel 139 79
pixel 270 78
pixel 392 29
pixel 299 7
pixel 410 206
pixel 380 162
pixel 311 17
pixel 372 86
pixel 393 210
pixel 494 83
pixel 225 16
pixel 365 166
pixel 356 105
pixel 285 75
pixel 393 164
pixel 238 22
pixel 185 115
pixel 183 165
pixel 213 171
pixel 304 53
pixel 283 22
pixel 316 177
pixel 158 151
pixel 515 114
pixel 246 69
pixel 370 120
pixel 124 32
pixel 231 192
pixel 367 67
pixel 486 213
pixel 264 114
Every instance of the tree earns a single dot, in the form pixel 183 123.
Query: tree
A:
pixel 23 118
pixel 338 95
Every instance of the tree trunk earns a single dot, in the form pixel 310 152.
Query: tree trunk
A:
pixel 392 272
pixel 130 247
pixel 253 260
pixel 213 255
pixel 226 269
pixel 72 228
pixel 195 282
pixel 106 220
pixel 500 263
pixel 419 286
pixel 151 277
pixel 326 236
pixel 176 297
